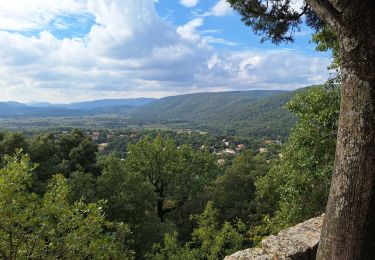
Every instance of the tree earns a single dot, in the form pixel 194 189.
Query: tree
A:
pixel 176 174
pixel 233 193
pixel 213 241
pixel 349 227
pixel 82 185
pixel 77 229
pixel 130 199
pixel 10 142
pixel 18 210
pixel 297 186
pixel 209 240
pixel 78 153
pixel 50 227
pixel 44 151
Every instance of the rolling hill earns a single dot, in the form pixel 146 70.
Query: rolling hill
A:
pixel 15 108
pixel 255 113
pixel 250 113
pixel 105 103
pixel 200 106
pixel 111 106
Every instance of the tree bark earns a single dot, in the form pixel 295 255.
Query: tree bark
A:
pixel 349 227
pixel 160 202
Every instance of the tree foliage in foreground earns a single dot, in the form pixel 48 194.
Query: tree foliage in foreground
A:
pixel 297 185
pixel 210 240
pixel 50 227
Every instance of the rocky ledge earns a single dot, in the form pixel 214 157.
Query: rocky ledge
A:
pixel 296 243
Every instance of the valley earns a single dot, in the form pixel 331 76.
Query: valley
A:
pixel 248 113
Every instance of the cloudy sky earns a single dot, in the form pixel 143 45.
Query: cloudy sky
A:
pixel 72 50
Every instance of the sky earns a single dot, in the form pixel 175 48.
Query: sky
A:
pixel 63 51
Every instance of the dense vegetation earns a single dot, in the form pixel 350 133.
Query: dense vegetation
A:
pixel 298 184
pixel 166 197
pixel 252 113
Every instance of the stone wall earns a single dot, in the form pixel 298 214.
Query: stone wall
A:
pixel 297 243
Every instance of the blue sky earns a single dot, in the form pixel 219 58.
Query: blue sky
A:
pixel 72 50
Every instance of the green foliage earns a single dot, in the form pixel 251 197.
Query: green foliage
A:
pixel 72 154
pixel 82 185
pixel 171 250
pixel 248 113
pixel 44 151
pixel 213 241
pixel 50 227
pixel 129 195
pixel 130 199
pixel 78 153
pixel 176 174
pixel 18 210
pixel 326 39
pixel 297 186
pixel 10 142
pixel 209 239
pixel 233 193
pixel 76 229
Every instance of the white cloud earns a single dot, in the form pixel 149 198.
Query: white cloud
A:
pixel 216 40
pixel 35 14
pixel 131 52
pixel 127 28
pixel 282 69
pixel 189 3
pixel 222 8
pixel 297 5
pixel 189 30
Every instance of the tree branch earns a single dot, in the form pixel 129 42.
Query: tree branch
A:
pixel 326 11
pixel 305 9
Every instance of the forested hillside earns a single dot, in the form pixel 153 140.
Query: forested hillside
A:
pixel 257 113
pixel 106 103
pixel 254 113
pixel 14 108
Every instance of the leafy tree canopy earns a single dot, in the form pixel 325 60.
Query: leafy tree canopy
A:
pixel 50 227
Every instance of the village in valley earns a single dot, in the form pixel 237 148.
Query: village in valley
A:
pixel 226 149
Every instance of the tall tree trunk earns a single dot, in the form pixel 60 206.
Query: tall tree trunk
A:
pixel 349 227
pixel 160 200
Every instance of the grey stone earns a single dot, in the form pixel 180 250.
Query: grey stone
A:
pixel 296 243
pixel 251 253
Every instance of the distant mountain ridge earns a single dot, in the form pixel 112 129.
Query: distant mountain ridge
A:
pixel 200 106
pixel 88 105
pixel 131 102
pixel 12 108
pixel 164 107
pixel 251 113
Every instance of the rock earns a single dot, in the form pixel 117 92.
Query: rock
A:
pixel 296 243
pixel 251 253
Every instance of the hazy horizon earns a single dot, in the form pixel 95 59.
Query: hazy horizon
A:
pixel 33 102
